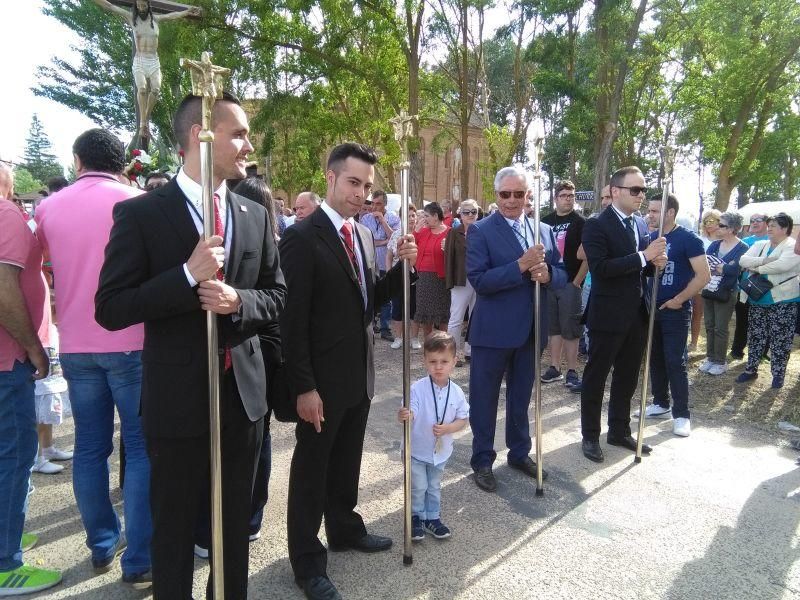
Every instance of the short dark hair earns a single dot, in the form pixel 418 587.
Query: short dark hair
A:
pixel 190 112
pixel 618 178
pixel 379 194
pixel 350 150
pixel 439 341
pixel 672 201
pixel 783 221
pixel 257 190
pixel 433 208
pixel 100 150
pixel 565 184
pixel 57 183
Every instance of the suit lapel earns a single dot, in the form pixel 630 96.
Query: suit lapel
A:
pixel 173 205
pixel 505 232
pixel 331 238
pixel 235 214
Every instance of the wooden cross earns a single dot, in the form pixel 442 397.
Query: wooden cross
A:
pixel 159 6
pixel 404 130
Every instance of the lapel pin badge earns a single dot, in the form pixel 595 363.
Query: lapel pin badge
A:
pixel 242 208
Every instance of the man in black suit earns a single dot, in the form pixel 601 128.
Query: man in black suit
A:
pixel 161 272
pixel 616 247
pixel 329 261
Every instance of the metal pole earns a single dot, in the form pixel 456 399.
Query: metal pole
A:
pixel 404 199
pixel 207 84
pixel 537 303
pixel 217 560
pixel 404 127
pixel 653 309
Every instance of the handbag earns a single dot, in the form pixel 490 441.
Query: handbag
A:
pixel 718 295
pixel 756 286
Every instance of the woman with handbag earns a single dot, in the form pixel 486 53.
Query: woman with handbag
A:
pixel 721 293
pixel 773 290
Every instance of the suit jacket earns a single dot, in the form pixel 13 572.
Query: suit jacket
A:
pixel 503 315
pixel 326 329
pixel 143 281
pixel 618 278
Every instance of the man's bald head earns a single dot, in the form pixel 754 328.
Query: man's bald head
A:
pixel 6 182
pixel 305 204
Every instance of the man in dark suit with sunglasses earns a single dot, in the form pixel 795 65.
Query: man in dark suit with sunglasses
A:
pixel 503 264
pixel 619 256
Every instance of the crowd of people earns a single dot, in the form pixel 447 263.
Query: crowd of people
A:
pixel 132 279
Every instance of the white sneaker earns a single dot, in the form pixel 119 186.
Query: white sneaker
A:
pixel 200 552
pixel 681 427
pixel 42 465
pixel 254 536
pixel 53 453
pixel 717 369
pixel 654 411
pixel 397 343
pixel 705 366
pixel 415 344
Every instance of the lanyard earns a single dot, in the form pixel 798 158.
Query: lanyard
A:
pixel 226 233
pixel 436 404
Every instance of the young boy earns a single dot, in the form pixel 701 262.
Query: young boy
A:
pixel 438 410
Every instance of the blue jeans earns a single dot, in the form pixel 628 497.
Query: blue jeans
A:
pixel 668 360
pixel 97 383
pixel 18 441
pixel 386 312
pixel 426 489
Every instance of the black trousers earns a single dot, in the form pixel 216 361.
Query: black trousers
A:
pixel 622 351
pixel 179 488
pixel 324 481
pixel 740 331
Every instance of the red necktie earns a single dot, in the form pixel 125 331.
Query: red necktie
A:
pixel 220 231
pixel 347 233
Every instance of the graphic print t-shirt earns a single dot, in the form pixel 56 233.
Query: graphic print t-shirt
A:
pixel 567 230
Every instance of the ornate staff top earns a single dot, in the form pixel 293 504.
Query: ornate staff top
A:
pixel 403 131
pixel 208 83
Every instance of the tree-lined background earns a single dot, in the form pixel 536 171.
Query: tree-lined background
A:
pixel 607 81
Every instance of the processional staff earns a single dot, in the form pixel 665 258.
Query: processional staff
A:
pixel 207 82
pixel 404 125
pixel 667 155
pixel 538 143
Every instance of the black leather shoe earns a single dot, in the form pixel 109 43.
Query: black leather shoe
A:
pixel 368 543
pixel 484 479
pixel 592 451
pixel 627 442
pixel 318 588
pixel 527 466
pixel 387 335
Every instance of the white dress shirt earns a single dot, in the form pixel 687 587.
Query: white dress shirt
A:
pixel 338 220
pixel 427 413
pixel 621 216
pixel 194 204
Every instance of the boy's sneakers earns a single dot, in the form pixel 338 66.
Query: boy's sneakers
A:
pixel 397 343
pixel 572 379
pixel 704 366
pixel 53 453
pixel 44 466
pixel 415 345
pixel 27 580
pixel 417 531
pixel 552 374
pixel 436 528
pixel 682 427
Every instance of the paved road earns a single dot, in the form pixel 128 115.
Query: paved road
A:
pixel 713 516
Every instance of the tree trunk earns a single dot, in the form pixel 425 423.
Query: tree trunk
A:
pixel 464 100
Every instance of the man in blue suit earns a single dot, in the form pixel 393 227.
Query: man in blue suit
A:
pixel 503 264
pixel 620 256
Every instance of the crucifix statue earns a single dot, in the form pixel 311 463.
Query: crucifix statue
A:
pixel 144 22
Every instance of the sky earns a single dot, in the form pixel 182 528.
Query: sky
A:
pixel 22 43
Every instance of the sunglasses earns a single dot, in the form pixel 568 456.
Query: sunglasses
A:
pixel 472 211
pixel 635 190
pixel 506 195
pixel 758 220
pixel 724 226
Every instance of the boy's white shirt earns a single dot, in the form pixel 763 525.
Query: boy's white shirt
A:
pixel 422 406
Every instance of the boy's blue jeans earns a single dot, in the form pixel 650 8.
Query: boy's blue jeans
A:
pixel 426 489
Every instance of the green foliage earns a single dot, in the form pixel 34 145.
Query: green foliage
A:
pixel 24 182
pixel 40 162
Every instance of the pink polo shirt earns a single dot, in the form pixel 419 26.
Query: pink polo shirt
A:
pixel 73 226
pixel 19 247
